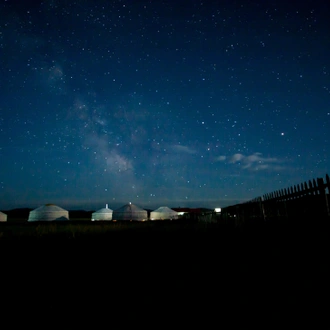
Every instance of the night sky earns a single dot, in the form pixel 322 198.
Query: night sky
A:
pixel 161 103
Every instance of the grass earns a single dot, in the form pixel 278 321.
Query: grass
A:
pixel 261 267
pixel 84 228
pixel 80 228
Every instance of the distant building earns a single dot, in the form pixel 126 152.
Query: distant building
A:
pixel 130 212
pixel 163 213
pixel 48 212
pixel 3 217
pixel 102 214
pixel 187 213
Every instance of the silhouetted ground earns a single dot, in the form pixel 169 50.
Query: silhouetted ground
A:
pixel 189 271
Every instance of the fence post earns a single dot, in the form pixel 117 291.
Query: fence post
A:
pixel 322 192
pixel 327 180
pixel 261 201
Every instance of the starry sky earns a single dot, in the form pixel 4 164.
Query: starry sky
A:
pixel 161 103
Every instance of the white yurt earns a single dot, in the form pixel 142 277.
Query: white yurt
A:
pixel 3 217
pixel 130 212
pixel 102 214
pixel 163 213
pixel 48 212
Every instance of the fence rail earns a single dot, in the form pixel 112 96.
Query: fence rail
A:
pixel 306 200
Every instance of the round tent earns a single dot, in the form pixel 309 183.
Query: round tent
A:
pixel 102 214
pixel 163 213
pixel 48 212
pixel 3 217
pixel 130 212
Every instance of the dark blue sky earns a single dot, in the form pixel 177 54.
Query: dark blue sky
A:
pixel 161 103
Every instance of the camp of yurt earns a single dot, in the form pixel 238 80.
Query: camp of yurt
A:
pixel 163 213
pixel 102 214
pixel 130 212
pixel 48 212
pixel 3 217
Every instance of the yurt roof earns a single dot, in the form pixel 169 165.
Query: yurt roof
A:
pixel 130 208
pixel 48 208
pixel 164 209
pixel 104 210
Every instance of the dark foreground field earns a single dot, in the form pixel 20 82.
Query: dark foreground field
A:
pixel 189 272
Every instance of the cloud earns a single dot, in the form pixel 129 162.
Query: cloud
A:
pixel 221 158
pixel 236 158
pixel 254 162
pixel 183 149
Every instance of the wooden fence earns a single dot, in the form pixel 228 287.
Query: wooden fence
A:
pixel 303 201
